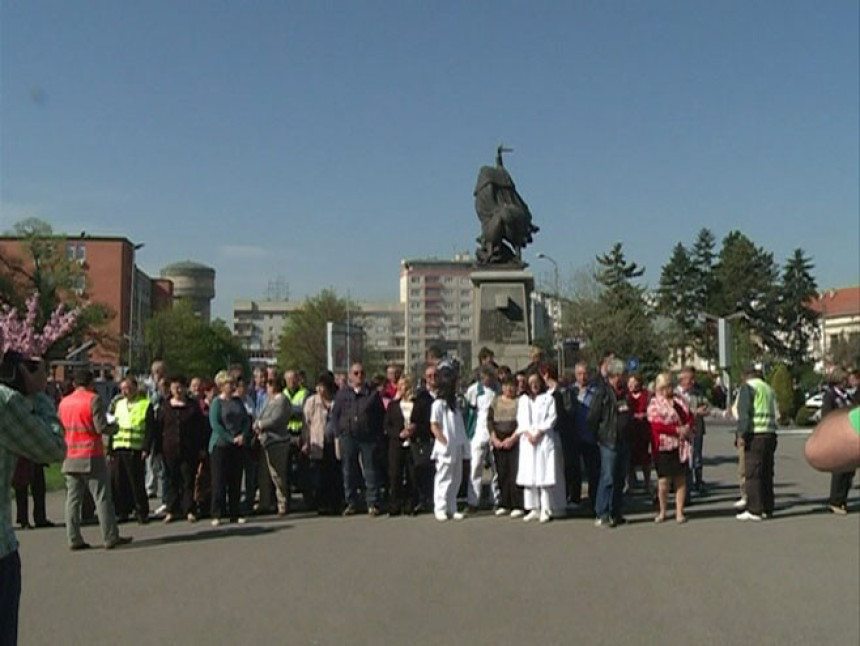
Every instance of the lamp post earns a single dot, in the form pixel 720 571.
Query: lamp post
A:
pixel 556 311
pixel 131 335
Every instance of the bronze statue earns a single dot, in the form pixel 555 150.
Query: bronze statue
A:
pixel 506 222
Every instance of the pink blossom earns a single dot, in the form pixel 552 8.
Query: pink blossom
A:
pixel 21 334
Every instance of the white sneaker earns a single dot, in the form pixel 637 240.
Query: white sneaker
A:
pixel 747 516
pixel 441 517
pixel 534 514
pixel 242 520
pixel 458 515
pixel 517 513
pixel 545 517
pixel 501 511
pixel 160 510
pixel 216 522
pixel 740 503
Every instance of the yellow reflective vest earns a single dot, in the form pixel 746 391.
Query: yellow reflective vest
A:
pixel 131 423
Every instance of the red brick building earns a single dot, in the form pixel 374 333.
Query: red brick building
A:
pixel 108 266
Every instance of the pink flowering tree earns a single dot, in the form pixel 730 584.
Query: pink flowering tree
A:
pixel 20 333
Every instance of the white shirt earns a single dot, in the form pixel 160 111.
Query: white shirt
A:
pixel 453 430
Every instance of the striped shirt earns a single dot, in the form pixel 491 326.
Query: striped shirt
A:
pixel 29 428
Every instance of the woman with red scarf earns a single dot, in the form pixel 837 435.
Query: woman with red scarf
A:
pixel 640 432
pixel 670 435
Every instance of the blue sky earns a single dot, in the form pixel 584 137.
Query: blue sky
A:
pixel 324 141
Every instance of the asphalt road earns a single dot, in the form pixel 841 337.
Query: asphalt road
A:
pixel 305 580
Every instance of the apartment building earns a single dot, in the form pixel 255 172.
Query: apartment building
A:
pixel 438 300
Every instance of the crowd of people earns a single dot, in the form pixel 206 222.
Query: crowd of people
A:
pixel 519 443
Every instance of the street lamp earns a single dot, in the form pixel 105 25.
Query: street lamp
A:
pixel 131 336
pixel 557 313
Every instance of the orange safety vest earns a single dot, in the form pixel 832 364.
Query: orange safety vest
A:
pixel 76 415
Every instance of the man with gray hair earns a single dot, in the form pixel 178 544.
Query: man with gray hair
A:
pixel 609 416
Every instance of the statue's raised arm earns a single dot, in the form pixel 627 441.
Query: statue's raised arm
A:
pixel 506 222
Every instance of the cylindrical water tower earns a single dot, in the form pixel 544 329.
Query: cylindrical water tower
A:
pixel 193 283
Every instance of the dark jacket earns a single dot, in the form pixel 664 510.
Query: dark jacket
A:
pixel 421 416
pixel 603 414
pixel 181 430
pixel 394 422
pixel 358 414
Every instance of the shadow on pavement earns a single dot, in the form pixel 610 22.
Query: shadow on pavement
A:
pixel 205 535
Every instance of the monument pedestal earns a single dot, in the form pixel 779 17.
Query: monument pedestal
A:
pixel 503 311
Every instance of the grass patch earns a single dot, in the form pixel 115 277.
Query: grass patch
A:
pixel 53 478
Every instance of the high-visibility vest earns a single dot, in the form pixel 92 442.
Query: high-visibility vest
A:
pixel 76 414
pixel 764 407
pixel 294 426
pixel 131 423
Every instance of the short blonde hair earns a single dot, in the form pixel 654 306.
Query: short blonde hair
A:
pixel 663 379
pixel 223 377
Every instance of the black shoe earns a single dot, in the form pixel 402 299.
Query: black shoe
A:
pixel 77 547
pixel 25 525
pixel 143 520
pixel 119 542
pixel 393 513
pixel 349 511
pixel 45 523
pixel 620 520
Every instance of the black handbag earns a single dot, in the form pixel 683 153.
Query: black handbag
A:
pixel 421 450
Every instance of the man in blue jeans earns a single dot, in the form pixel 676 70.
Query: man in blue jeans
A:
pixel 356 416
pixel 610 416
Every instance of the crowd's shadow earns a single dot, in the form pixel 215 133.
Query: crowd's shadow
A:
pixel 206 535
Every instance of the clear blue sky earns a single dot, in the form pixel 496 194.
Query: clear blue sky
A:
pixel 324 141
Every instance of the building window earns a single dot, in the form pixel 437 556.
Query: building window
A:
pixel 70 251
pixel 414 306
pixel 82 252
pixel 415 280
pixel 415 292
pixel 80 284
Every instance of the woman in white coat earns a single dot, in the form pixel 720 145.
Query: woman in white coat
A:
pixel 537 472
pixel 451 445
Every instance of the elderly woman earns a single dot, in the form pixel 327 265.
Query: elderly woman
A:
pixel 670 435
pixel 536 471
pixel 318 445
pixel 502 424
pixel 399 430
pixel 640 432
pixel 271 428
pixel 230 432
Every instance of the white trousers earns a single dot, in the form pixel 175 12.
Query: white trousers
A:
pixel 538 498
pixel 449 474
pixel 479 453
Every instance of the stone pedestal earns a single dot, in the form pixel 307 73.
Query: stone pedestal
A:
pixel 503 311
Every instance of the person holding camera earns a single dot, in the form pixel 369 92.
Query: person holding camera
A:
pixel 28 428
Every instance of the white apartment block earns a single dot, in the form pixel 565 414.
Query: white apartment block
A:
pixel 258 325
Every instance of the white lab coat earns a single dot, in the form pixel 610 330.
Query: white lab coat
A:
pixel 537 463
pixel 449 457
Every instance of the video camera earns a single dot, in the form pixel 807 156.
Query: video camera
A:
pixel 12 366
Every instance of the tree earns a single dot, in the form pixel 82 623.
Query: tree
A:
pixel 302 344
pixel 798 322
pixel 677 298
pixel 781 382
pixel 45 269
pixel 746 280
pixel 189 345
pixel 620 320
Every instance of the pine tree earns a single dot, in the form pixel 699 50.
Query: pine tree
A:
pixel 677 297
pixel 621 320
pixel 746 280
pixel 798 322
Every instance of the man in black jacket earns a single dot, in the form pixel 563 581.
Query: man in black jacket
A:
pixel 357 416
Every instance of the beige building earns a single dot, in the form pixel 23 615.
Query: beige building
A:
pixel 438 300
pixel 840 318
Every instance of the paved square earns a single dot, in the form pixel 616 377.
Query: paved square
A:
pixel 308 580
